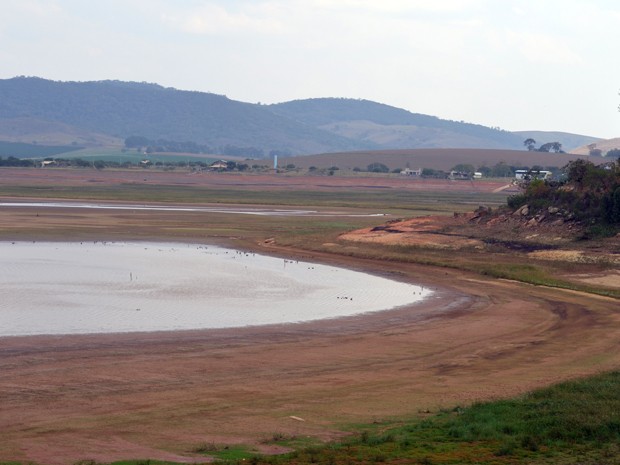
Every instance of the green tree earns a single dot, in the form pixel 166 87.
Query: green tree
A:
pixel 485 170
pixel 550 146
pixel 530 144
pixel 502 170
pixel 378 168
pixel 464 168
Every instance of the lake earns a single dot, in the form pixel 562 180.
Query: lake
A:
pixel 110 287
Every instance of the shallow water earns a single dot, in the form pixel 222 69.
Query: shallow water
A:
pixel 75 288
pixel 247 210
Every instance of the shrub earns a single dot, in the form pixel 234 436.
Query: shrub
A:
pixel 516 201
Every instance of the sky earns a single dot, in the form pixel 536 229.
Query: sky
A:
pixel 550 65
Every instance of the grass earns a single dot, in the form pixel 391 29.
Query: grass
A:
pixel 575 422
pixel 224 453
pixel 120 155
pixel 570 423
pixel 386 201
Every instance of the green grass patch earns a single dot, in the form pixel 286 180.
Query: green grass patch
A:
pixel 121 156
pixel 233 454
pixel 573 422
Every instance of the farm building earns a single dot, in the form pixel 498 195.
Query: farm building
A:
pixel 532 174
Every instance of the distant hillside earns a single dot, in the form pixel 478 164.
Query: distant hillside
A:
pixel 569 141
pixel 392 128
pixel 122 109
pixel 32 130
pixel 604 145
pixel 104 113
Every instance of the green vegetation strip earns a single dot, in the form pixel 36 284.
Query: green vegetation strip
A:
pixel 573 422
pixel 576 422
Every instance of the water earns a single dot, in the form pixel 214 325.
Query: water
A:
pixel 77 288
pixel 178 208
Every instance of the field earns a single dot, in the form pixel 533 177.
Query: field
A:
pixel 183 396
pixel 120 156
pixel 439 159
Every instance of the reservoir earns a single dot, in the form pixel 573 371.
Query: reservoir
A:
pixel 105 287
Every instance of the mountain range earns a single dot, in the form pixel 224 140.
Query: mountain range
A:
pixel 104 113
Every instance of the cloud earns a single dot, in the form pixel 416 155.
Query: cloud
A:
pixel 295 17
pixel 213 19
pixel 538 47
pixel 396 6
pixel 34 7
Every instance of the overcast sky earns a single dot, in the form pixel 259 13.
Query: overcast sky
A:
pixel 514 64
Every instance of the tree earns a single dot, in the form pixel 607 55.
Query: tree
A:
pixel 485 170
pixel 550 146
pixel 530 144
pixel 378 168
pixel 594 152
pixel 463 168
pixel 502 170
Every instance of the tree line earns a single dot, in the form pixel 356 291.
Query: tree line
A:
pixel 146 145
pixel 546 147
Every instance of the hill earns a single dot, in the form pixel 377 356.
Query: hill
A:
pixel 106 112
pixel 603 145
pixel 569 141
pixel 122 109
pixel 391 128
pixel 38 131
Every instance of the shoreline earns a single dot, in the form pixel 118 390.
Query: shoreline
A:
pixel 363 308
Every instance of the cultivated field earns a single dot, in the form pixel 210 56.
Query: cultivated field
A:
pixel 166 395
pixel 439 159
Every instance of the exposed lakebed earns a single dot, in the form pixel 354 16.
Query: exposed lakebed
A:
pixel 99 287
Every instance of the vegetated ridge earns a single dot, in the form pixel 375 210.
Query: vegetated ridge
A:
pixel 107 112
pixel 584 204
pixel 589 195
pixel 391 128
pixel 124 109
